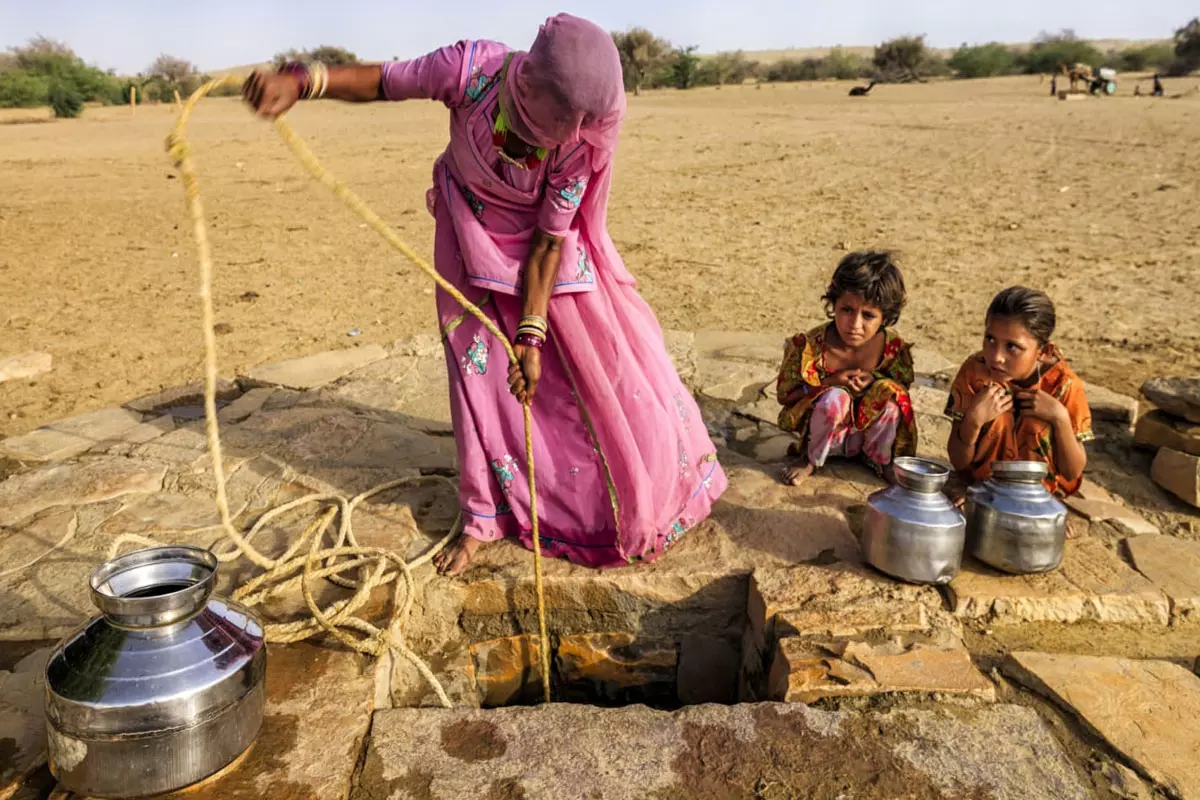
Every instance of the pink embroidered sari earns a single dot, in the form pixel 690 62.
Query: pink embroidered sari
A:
pixel 624 461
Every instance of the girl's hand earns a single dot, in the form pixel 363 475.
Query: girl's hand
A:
pixel 271 94
pixel 523 376
pixel 990 404
pixel 1040 405
pixel 853 379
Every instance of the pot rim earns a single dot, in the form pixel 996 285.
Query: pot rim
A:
pixel 193 569
pixel 1020 471
pixel 920 474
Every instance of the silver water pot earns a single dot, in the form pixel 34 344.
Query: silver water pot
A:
pixel 164 689
pixel 912 531
pixel 1013 523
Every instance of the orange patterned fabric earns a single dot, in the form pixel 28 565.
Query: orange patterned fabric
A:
pixel 804 367
pixel 1012 437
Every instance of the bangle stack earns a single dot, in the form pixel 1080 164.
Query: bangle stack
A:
pixel 532 331
pixel 313 78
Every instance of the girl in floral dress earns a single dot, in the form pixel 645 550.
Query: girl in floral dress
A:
pixel 844 385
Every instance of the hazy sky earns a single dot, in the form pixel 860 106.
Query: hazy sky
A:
pixel 128 34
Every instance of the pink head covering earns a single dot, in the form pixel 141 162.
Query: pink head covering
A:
pixel 568 86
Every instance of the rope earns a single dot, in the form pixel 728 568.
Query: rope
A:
pixel 312 557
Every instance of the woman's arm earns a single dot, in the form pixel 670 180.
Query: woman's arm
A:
pixel 541 269
pixel 355 83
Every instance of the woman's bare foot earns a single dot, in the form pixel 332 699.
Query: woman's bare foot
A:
pixel 794 474
pixel 456 556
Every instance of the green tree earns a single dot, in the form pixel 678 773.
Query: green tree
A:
pixel 902 59
pixel 47 60
pixel 684 67
pixel 65 98
pixel 1050 51
pixel 642 54
pixel 1139 59
pixel 20 89
pixel 326 54
pixel 168 75
pixel 1187 48
pixel 983 61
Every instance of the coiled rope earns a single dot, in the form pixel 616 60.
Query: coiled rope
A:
pixel 312 556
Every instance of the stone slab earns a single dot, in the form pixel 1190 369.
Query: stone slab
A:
pixel 73 436
pixel 42 445
pixel 91 481
pixel 928 400
pixel 311 372
pixel 1173 565
pixel 1093 584
pixel 930 364
pixel 25 365
pixel 1124 518
pixel 1109 406
pixel 616 667
pixel 1159 429
pixel 244 406
pixel 765 407
pixel 22 720
pixel 1178 396
pixel 1179 474
pixel 728 365
pixel 1001 752
pixel 191 394
pixel 508 670
pixel 318 712
pixel 805 670
pixel 1146 710
pixel 412 382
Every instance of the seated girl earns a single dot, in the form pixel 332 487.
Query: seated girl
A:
pixel 1018 399
pixel 844 385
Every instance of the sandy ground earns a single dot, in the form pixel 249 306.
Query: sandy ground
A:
pixel 732 206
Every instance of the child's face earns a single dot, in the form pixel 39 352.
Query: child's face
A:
pixel 1010 350
pixel 857 320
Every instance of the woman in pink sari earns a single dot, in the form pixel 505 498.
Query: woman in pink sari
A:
pixel 624 461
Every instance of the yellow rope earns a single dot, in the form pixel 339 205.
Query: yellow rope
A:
pixel 343 553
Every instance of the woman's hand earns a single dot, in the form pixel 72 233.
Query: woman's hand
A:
pixel 271 94
pixel 1041 405
pixel 523 376
pixel 989 404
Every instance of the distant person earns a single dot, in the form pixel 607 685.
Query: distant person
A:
pixel 1054 86
pixel 844 384
pixel 520 197
pixel 1158 87
pixel 1018 399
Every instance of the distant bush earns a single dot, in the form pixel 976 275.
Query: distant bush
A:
pixel 1187 49
pixel 983 61
pixel 20 89
pixel 903 59
pixel 1051 50
pixel 837 65
pixel 726 68
pixel 65 99
pixel 326 54
pixel 645 59
pixel 1154 57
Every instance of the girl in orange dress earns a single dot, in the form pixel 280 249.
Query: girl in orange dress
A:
pixel 1018 398
pixel 844 385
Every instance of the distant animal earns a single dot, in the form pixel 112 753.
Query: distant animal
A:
pixel 861 91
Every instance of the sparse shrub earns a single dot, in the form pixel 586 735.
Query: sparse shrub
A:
pixel 1049 51
pixel 645 58
pixel 1154 57
pixel 903 59
pixel 20 89
pixel 65 99
pixel 983 61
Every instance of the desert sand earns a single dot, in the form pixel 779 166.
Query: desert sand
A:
pixel 732 206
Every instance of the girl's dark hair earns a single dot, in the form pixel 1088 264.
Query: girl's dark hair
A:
pixel 875 277
pixel 1031 308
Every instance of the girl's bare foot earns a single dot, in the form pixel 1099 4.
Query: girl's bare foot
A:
pixel 456 556
pixel 957 493
pixel 795 473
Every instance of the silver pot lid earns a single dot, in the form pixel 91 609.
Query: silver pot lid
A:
pixel 1020 471
pixel 164 654
pixel 920 474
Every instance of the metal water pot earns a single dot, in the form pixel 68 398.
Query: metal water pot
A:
pixel 1013 523
pixel 161 691
pixel 912 531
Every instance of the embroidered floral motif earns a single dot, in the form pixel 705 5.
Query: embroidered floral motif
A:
pixel 475 362
pixel 583 272
pixel 503 508
pixel 478 84
pixel 506 471
pixel 572 193
pixel 473 201
pixel 683 461
pixel 573 471
pixel 678 528
pixel 681 408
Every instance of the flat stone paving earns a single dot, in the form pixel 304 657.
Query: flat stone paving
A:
pixel 775 570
